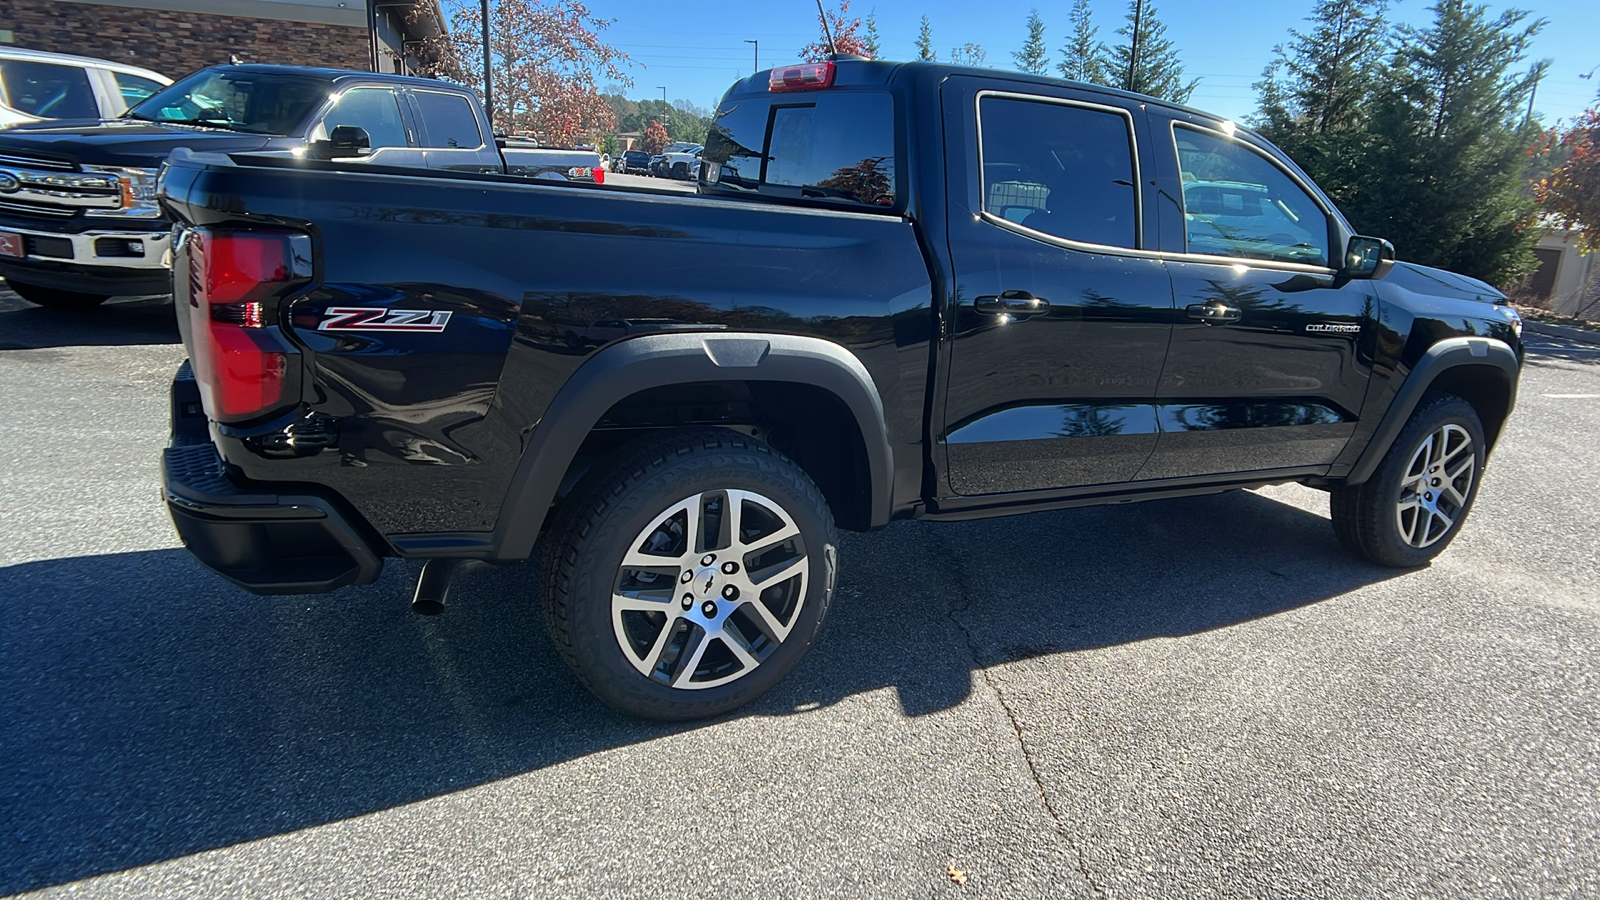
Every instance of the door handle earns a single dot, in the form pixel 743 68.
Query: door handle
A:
pixel 1013 302
pixel 1214 312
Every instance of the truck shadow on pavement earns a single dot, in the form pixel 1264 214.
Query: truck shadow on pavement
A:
pixel 120 322
pixel 153 711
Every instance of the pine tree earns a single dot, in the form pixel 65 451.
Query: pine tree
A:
pixel 925 43
pixel 1083 58
pixel 1316 95
pixel 869 42
pixel 1449 151
pixel 1145 62
pixel 1033 58
pixel 1329 72
pixel 969 54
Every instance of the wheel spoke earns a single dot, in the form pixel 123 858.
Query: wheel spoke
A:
pixel 768 541
pixel 775 629
pixel 1445 519
pixel 623 601
pixel 777 573
pixel 1466 466
pixel 652 659
pixel 1409 533
pixel 689 661
pixel 735 644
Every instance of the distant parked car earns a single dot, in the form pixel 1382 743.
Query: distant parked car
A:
pixel 35 86
pixel 680 164
pixel 635 162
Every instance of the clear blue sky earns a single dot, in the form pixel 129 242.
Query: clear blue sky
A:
pixel 696 51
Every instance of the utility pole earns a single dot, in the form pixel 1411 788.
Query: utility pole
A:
pixel 758 54
pixel 1539 68
pixel 488 94
pixel 1133 52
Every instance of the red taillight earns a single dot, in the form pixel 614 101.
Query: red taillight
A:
pixel 599 175
pixel 240 360
pixel 805 77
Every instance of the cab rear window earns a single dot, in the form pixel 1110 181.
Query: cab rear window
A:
pixel 832 148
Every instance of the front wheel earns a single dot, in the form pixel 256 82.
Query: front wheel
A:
pixel 1413 505
pixel 51 298
pixel 691 575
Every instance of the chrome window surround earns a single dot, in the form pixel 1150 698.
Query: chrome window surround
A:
pixel 1138 178
pixel 1331 216
pixel 318 120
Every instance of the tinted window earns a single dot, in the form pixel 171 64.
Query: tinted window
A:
pixel 134 89
pixel 253 102
pixel 374 109
pixel 48 91
pixel 1238 203
pixel 448 120
pixel 825 146
pixel 1063 170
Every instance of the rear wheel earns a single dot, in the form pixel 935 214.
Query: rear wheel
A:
pixel 51 298
pixel 680 171
pixel 1416 500
pixel 691 575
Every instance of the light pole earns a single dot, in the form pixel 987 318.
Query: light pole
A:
pixel 758 54
pixel 488 96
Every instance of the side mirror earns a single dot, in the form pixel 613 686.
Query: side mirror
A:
pixel 500 138
pixel 344 142
pixel 1368 257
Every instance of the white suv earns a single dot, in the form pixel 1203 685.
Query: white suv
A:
pixel 35 85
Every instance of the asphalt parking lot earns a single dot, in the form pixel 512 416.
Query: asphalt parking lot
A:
pixel 1184 699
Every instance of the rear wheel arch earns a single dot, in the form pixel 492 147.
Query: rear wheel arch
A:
pixel 1482 371
pixel 774 368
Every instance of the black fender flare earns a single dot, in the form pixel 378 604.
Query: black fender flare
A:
pixel 1446 354
pixel 648 361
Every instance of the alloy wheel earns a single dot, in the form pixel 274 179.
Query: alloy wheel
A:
pixel 1435 486
pixel 709 589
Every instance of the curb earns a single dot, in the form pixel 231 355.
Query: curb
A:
pixel 1562 331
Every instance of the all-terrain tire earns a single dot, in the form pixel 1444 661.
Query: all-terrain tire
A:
pixel 51 298
pixel 1412 508
pixel 637 504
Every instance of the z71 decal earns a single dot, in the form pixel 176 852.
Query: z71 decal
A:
pixel 366 318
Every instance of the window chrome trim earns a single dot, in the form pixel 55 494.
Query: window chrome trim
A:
pixel 1316 198
pixel 1133 150
pixel 320 120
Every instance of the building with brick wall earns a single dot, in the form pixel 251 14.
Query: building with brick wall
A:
pixel 177 37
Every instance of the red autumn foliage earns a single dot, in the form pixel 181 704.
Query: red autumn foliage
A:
pixel 547 64
pixel 655 138
pixel 1571 193
pixel 845 39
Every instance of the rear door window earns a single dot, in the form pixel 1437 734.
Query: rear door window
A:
pixel 830 147
pixel 134 88
pixel 448 121
pixel 1065 170
pixel 48 91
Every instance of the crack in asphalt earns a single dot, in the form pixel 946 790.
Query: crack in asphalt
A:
pixel 951 612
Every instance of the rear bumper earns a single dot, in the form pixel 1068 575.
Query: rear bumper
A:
pixel 262 540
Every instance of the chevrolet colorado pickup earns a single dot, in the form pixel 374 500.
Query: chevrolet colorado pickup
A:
pixel 901 291
pixel 79 221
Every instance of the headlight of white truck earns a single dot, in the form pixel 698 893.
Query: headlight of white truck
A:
pixel 138 193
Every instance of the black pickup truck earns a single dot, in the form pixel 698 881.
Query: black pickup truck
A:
pixel 901 291
pixel 79 221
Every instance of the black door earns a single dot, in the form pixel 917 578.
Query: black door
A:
pixel 1063 312
pixel 1265 369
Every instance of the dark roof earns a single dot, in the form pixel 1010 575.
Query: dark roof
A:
pixel 883 71
pixel 336 75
